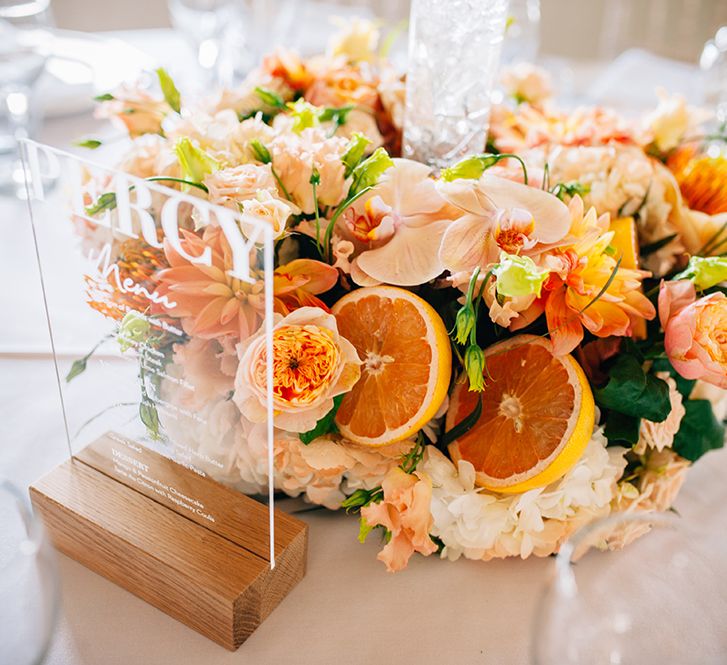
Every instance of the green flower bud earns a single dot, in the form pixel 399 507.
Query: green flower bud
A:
pixel 368 172
pixel 304 115
pixel 470 168
pixel 518 276
pixel 195 162
pixel 355 152
pixel 262 154
pixel 705 271
pixel 134 329
pixel 464 323
pixel 474 365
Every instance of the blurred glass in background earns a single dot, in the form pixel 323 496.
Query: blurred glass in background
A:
pixel 713 63
pixel 21 64
pixel 28 582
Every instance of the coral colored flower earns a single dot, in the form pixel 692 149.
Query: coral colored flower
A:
pixel 288 66
pixel 396 228
pixel 212 303
pixel 498 215
pixel 404 512
pixel 312 364
pixel 579 273
pixel 296 283
pixel 695 331
pixel 337 84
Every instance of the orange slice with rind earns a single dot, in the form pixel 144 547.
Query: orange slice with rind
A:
pixel 407 364
pixel 537 416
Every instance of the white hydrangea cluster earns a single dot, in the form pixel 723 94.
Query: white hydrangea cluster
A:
pixel 478 524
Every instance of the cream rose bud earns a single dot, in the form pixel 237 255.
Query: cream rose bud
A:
pixel 267 209
pixel 527 83
pixel 238 183
pixel 672 120
pixel 312 364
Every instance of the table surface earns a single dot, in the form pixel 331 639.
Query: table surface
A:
pixel 346 610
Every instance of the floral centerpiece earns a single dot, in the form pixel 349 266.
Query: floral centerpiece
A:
pixel 476 361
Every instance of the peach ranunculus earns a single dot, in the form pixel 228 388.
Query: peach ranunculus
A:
pixel 212 304
pixel 498 215
pixel 136 110
pixel 405 513
pixel 312 364
pixel 238 183
pixel 579 272
pixel 337 83
pixel 695 331
pixel 396 228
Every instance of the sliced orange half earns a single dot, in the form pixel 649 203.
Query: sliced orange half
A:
pixel 626 242
pixel 407 364
pixel 537 416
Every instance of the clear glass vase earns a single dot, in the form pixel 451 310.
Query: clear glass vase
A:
pixel 454 52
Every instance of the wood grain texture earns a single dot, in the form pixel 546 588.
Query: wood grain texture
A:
pixel 209 582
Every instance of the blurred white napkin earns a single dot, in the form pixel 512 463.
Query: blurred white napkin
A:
pixel 631 80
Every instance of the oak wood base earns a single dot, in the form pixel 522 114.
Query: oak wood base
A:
pixel 207 567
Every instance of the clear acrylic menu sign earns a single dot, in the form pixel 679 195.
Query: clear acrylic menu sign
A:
pixel 151 495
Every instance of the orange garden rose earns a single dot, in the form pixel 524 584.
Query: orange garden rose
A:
pixel 312 364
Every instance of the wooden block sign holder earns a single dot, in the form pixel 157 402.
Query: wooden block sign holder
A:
pixel 191 547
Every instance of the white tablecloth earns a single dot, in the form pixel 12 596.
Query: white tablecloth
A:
pixel 346 610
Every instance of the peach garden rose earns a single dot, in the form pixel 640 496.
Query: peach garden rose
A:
pixel 695 331
pixel 312 364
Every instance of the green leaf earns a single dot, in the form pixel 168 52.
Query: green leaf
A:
pixel 368 172
pixel 632 391
pixel 325 425
pixel 270 98
pixel 107 201
pixel 91 144
pixel 78 367
pixel 150 417
pixel 106 97
pixel 699 432
pixel 570 189
pixel 262 154
pixel 169 90
pixel 338 115
pixel 684 386
pixel 621 428
pixel 355 152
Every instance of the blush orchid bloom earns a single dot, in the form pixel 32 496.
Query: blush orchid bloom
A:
pixel 499 215
pixel 397 227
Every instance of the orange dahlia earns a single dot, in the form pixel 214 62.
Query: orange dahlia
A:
pixel 137 261
pixel 211 303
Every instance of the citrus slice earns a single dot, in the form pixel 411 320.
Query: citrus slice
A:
pixel 626 242
pixel 537 416
pixel 407 364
